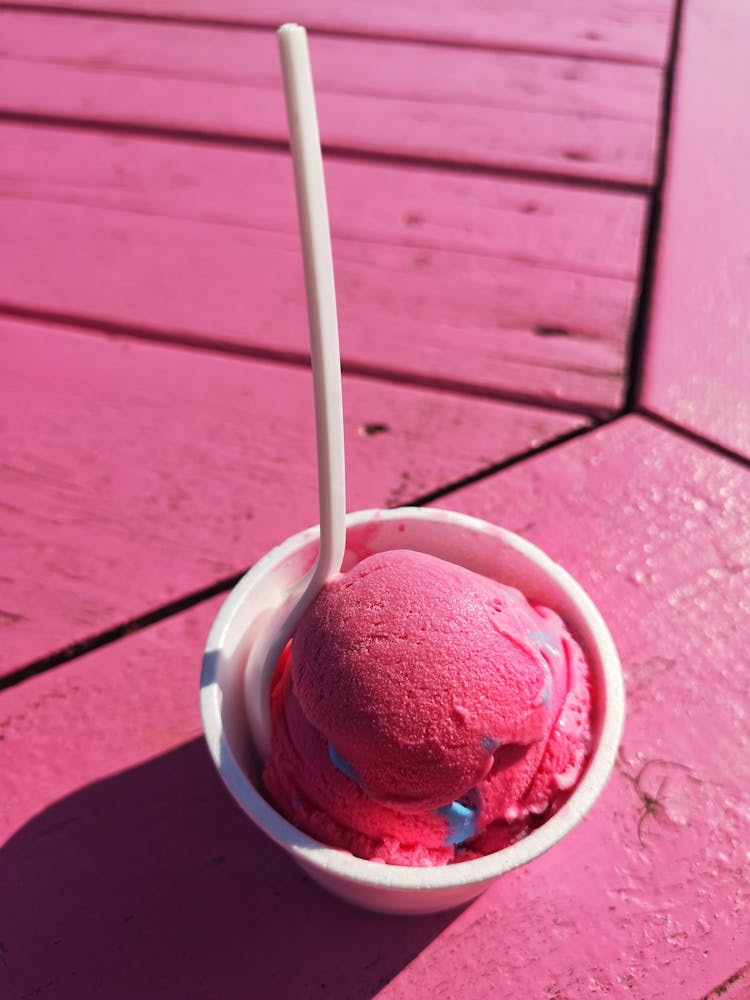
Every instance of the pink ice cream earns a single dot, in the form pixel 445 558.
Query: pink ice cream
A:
pixel 426 714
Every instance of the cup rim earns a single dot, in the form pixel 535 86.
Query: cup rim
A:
pixel 332 861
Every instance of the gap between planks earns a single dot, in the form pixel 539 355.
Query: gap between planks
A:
pixel 691 435
pixel 697 364
pixel 299 360
pixel 727 984
pixel 336 152
pixel 642 313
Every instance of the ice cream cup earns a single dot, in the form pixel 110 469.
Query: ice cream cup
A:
pixel 254 605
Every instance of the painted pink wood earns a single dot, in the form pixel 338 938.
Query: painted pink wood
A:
pixel 147 881
pixel 506 285
pixel 628 30
pixel 134 474
pixel 508 110
pixel 650 899
pixel 698 360
pixel 127 868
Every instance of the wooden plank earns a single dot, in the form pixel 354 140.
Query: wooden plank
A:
pixel 123 848
pixel 628 30
pixel 504 285
pixel 134 474
pixel 697 370
pixel 506 110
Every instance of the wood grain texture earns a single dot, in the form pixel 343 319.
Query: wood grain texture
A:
pixel 630 30
pixel 127 866
pixel 653 900
pixel 507 110
pixel 504 285
pixel 133 474
pixel 697 369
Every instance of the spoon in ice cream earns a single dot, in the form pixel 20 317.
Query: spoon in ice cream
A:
pixel 315 234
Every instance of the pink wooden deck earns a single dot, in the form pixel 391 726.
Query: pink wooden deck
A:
pixel 697 371
pixel 541 325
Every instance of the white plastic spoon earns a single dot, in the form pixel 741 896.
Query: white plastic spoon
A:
pixel 315 233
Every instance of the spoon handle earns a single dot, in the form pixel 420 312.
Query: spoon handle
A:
pixel 312 210
pixel 315 234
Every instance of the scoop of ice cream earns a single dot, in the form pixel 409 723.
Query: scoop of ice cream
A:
pixel 423 706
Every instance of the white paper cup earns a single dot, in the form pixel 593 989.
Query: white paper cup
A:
pixel 481 547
